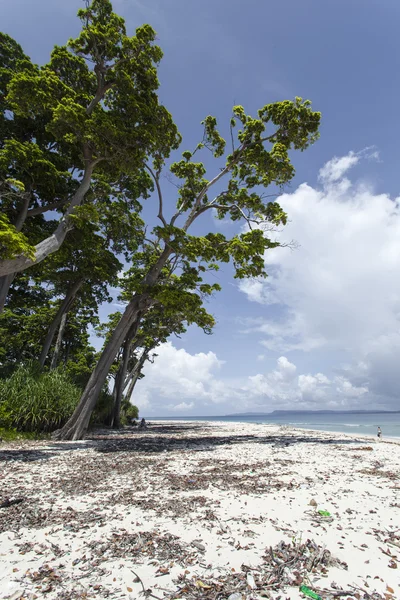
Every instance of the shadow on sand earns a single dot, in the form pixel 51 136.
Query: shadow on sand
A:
pixel 163 438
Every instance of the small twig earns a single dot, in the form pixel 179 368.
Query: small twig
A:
pixel 137 577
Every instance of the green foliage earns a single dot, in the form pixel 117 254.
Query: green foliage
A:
pixel 34 401
pixel 128 412
pixel 12 242
pixel 93 108
pixel 103 410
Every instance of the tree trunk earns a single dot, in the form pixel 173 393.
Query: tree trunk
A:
pixel 78 423
pixel 5 283
pixel 114 396
pixel 135 374
pixel 54 241
pixel 119 385
pixel 57 349
pixel 64 308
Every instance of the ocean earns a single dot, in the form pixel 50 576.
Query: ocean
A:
pixel 363 424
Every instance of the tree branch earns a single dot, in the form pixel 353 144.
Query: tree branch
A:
pixel 160 197
pixel 39 210
pixel 54 241
pixel 101 90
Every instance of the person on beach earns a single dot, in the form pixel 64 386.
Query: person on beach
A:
pixel 142 424
pixel 379 434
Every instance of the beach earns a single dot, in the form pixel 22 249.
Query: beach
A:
pixel 201 510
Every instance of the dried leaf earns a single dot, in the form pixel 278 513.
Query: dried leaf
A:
pixel 200 584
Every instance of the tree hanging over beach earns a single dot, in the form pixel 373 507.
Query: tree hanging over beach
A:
pixel 259 157
pixel 84 142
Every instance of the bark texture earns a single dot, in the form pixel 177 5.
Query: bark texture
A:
pixel 134 375
pixel 57 348
pixel 63 310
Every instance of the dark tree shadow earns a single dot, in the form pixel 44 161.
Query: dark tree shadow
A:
pixel 165 438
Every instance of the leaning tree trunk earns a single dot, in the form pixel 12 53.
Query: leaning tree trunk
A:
pixel 77 424
pixel 135 374
pixel 57 348
pixel 119 385
pixel 63 310
pixel 114 395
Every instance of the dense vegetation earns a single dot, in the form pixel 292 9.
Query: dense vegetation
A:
pixel 83 144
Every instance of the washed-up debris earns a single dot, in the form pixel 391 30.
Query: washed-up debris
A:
pixel 164 548
pixel 309 593
pixel 319 516
pixel 286 565
pixel 289 563
pixel 377 472
pixel 35 516
pixel 11 502
pixel 360 448
pixel 178 476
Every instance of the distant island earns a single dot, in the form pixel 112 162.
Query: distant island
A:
pixel 278 413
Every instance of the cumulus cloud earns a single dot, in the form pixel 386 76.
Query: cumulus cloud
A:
pixel 178 375
pixel 182 407
pixel 339 291
pixel 280 387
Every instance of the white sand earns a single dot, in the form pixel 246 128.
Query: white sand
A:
pixel 233 498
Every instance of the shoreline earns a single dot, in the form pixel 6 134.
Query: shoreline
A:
pixel 371 438
pixel 189 502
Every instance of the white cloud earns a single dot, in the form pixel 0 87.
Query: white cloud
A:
pixel 340 289
pixel 182 407
pixel 176 374
pixel 348 389
pixel 282 387
pixel 337 167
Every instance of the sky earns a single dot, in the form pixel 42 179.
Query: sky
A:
pixel 323 331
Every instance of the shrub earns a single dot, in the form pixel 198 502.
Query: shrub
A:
pixel 35 401
pixel 103 409
pixel 128 412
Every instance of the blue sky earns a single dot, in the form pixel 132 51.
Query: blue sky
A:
pixel 323 331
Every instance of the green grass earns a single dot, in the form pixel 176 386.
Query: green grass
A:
pixel 11 435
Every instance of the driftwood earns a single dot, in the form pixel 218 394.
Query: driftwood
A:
pixel 10 502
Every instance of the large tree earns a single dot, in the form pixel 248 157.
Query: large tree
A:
pixel 75 133
pixel 259 158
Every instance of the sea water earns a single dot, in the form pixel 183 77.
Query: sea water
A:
pixel 361 424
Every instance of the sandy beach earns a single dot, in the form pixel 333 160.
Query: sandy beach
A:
pixel 201 510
